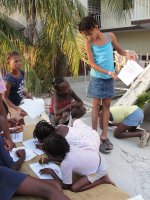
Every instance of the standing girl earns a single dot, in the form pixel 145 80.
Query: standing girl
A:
pixel 99 48
pixel 14 83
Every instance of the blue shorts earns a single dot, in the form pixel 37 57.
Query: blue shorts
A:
pixel 135 118
pixel 101 88
pixel 10 180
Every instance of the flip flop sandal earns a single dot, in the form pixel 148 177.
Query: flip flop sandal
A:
pixel 144 139
pixel 104 149
pixel 108 143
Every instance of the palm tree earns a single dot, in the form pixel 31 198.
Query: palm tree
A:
pixel 58 43
pixel 55 44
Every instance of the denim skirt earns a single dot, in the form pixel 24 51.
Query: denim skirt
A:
pixel 101 88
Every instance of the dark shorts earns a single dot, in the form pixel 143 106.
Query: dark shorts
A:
pixel 10 181
pixel 101 88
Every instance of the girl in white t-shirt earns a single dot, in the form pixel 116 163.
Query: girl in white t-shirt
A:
pixel 79 134
pixel 86 163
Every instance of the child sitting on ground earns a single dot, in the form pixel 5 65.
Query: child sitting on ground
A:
pixel 86 163
pixel 79 134
pixel 63 101
pixel 127 119
pixel 14 82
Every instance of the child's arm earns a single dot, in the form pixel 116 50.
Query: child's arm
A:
pixel 6 95
pixel 22 155
pixel 58 111
pixel 5 127
pixel 52 173
pixel 118 48
pixel 92 62
pixel 27 95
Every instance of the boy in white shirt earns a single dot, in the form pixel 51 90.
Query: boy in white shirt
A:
pixel 88 164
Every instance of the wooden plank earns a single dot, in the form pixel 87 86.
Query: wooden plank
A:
pixel 141 84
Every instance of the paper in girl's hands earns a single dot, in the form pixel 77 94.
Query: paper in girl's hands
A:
pixel 36 167
pixel 139 197
pixel 31 144
pixel 17 137
pixel 129 72
pixel 29 154
pixel 34 107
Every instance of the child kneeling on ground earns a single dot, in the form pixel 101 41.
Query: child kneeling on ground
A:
pixel 90 165
pixel 127 119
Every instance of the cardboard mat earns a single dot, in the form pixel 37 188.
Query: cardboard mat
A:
pixel 101 192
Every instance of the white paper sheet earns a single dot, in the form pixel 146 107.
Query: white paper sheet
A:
pixel 30 144
pixel 139 197
pixel 36 167
pixel 129 72
pixel 34 107
pixel 17 137
pixel 29 154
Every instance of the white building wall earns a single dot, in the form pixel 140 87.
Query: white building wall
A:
pixel 135 40
pixel 84 3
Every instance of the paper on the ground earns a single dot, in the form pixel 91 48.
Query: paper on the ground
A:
pixel 36 167
pixel 34 107
pixel 139 197
pixel 129 72
pixel 30 144
pixel 29 154
pixel 17 137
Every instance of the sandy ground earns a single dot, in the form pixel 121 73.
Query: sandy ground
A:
pixel 129 165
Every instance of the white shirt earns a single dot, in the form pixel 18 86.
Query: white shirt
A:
pixel 79 161
pixel 83 136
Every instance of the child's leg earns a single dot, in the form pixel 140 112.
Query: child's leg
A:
pixel 105 117
pixel 95 112
pixel 54 119
pixel 123 131
pixel 83 183
pixel 40 189
pixel 76 113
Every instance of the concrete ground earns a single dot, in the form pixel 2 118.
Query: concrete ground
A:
pixel 129 165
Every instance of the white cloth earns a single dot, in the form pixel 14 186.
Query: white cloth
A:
pixel 2 84
pixel 83 136
pixel 101 171
pixel 79 161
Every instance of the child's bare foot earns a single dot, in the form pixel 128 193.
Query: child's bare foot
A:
pixel 144 139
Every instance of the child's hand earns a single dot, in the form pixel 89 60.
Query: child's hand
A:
pixel 9 144
pixel 39 146
pixel 46 171
pixel 44 161
pixel 29 96
pixel 22 113
pixel 13 121
pixel 131 56
pixel 21 153
pixel 75 104
pixel 113 75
